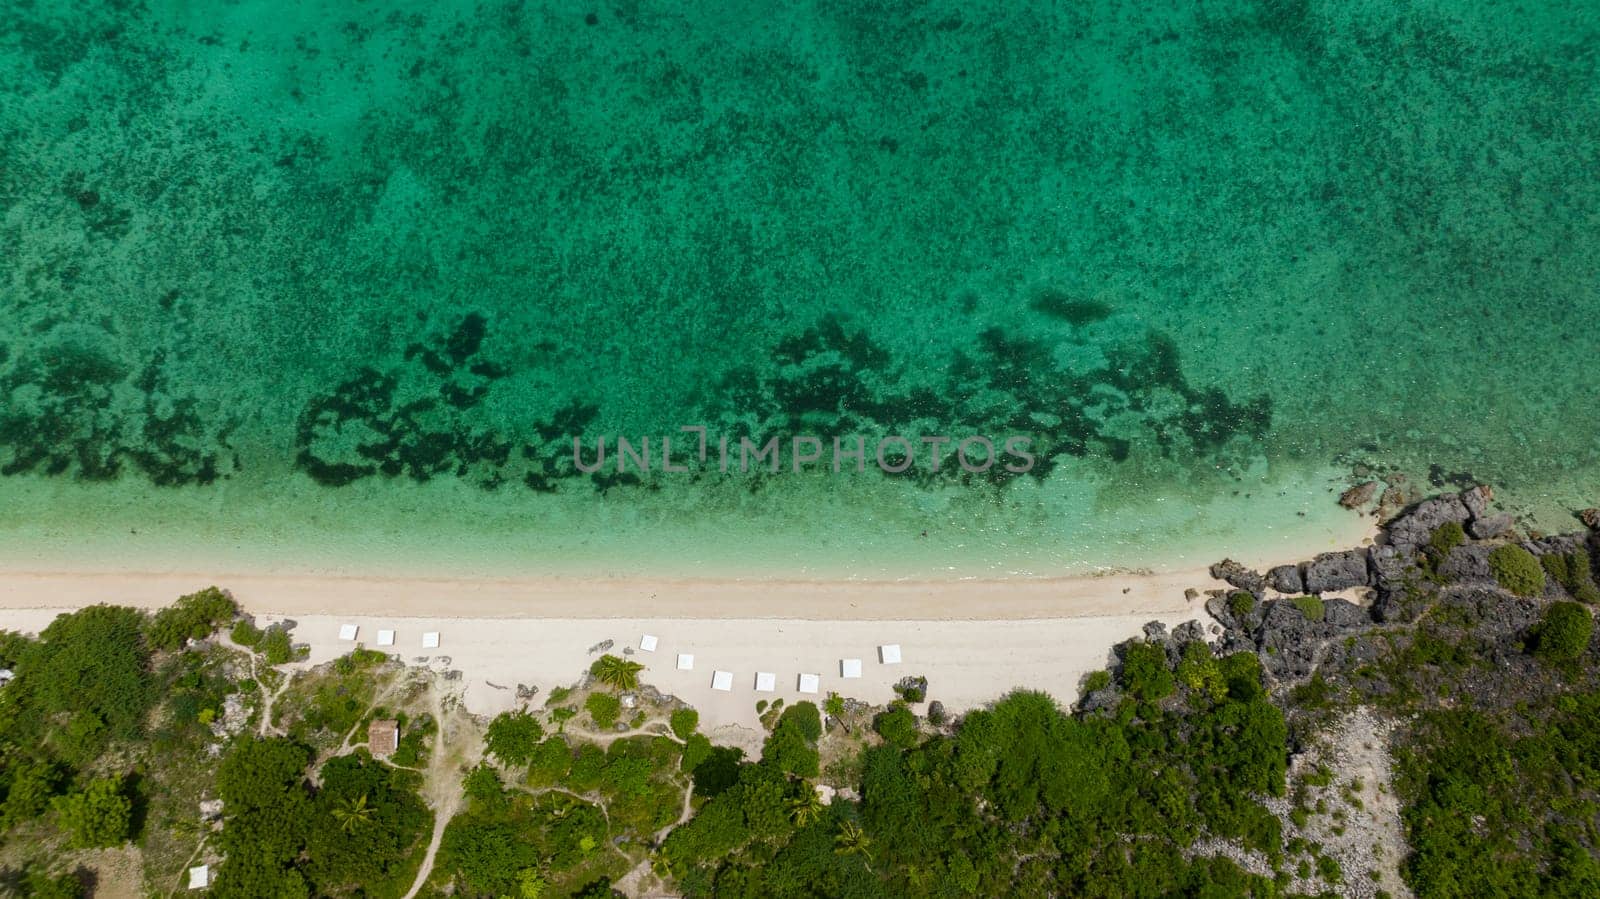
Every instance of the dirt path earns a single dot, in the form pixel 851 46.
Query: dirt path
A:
pixel 442 782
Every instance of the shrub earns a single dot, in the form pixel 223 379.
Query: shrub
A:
pixel 1517 570
pixel 275 645
pixel 1144 671
pixel 897 726
pixel 1241 603
pixel 1097 681
pixel 834 705
pixel 245 634
pixel 1572 572
pixel 1447 537
pixel 684 722
pixel 1565 632
pixel 98 816
pixel 912 689
pixel 192 617
pixel 512 737
pixel 604 709
pixel 1310 606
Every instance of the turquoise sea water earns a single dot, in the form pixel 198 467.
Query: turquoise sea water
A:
pixel 334 285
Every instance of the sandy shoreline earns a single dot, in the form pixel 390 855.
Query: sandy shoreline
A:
pixel 293 595
pixel 974 639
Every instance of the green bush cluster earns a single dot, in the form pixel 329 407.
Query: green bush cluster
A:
pixel 684 722
pixel 1445 538
pixel 1241 604
pixel 603 709
pixel 193 617
pixel 1516 569
pixel 1565 632
pixel 513 736
pixel 1573 572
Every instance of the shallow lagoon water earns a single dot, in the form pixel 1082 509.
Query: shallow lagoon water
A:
pixel 321 286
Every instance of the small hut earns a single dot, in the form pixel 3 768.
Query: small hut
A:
pixel 383 736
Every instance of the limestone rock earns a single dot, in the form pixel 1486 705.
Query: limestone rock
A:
pixel 1287 579
pixel 1412 529
pixel 1490 526
pixel 1337 571
pixel 1359 495
pixel 1239 576
pixel 1477 499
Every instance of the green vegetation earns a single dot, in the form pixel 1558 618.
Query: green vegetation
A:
pixel 513 736
pixel 617 673
pixel 1312 607
pixel 897 726
pixel 603 709
pixel 1446 537
pixel 1144 671
pixel 192 617
pixel 1573 572
pixel 684 722
pixel 98 816
pixel 1516 569
pixel 275 645
pixel 1241 603
pixel 1565 632
pixel 104 739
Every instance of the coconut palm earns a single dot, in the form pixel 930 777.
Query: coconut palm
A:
pixel 616 672
pixel 852 840
pixel 805 809
pixel 352 812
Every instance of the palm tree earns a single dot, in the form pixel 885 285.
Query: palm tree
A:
pixel 616 672
pixel 852 840
pixel 805 809
pixel 352 812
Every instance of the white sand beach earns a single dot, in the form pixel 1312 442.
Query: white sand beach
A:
pixel 973 639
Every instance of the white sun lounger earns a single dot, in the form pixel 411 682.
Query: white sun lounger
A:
pixel 849 667
pixel 348 631
pixel 889 653
pixel 647 643
pixel 722 680
pixel 810 683
pixel 766 682
pixel 430 640
pixel 685 661
pixel 385 638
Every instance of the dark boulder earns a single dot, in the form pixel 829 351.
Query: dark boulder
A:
pixel 1287 579
pixel 1289 641
pixel 1359 495
pixel 1155 631
pixel 1342 614
pixel 1239 576
pixel 1489 527
pixel 1100 700
pixel 1188 632
pixel 1412 529
pixel 1337 571
pixel 1477 500
pixel 1389 566
pixel 1467 564
pixel 1590 519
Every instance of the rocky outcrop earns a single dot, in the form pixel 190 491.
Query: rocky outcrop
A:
pixel 1488 527
pixel 1590 519
pixel 1413 528
pixel 1239 576
pixel 1287 579
pixel 1359 495
pixel 1337 571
